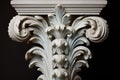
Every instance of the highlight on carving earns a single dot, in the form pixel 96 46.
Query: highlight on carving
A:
pixel 63 47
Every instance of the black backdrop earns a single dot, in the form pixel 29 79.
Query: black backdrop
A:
pixel 103 65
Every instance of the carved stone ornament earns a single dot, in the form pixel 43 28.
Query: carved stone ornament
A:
pixel 62 47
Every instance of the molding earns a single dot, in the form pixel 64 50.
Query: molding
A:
pixel 44 7
pixel 62 50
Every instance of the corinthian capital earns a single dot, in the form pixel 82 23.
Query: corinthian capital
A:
pixel 62 48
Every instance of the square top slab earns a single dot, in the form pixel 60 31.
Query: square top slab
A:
pixel 44 7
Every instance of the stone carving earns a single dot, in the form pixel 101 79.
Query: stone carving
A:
pixel 62 48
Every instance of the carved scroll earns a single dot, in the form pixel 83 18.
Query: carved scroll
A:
pixel 62 48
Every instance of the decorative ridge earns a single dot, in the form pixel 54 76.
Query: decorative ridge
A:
pixel 44 7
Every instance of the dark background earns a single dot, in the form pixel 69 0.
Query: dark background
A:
pixel 103 65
